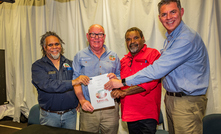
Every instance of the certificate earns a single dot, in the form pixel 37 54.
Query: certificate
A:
pixel 100 98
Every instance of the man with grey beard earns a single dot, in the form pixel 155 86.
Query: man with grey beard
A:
pixel 52 76
pixel 140 105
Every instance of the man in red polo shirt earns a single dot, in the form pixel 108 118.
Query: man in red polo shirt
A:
pixel 140 105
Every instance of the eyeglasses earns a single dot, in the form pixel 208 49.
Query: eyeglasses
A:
pixel 93 35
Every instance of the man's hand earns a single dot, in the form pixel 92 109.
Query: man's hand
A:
pixel 113 83
pixel 78 107
pixel 112 76
pixel 82 79
pixel 118 93
pixel 86 105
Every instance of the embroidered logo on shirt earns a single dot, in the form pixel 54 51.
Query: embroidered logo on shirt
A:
pixel 85 58
pixel 66 65
pixel 111 57
pixel 52 72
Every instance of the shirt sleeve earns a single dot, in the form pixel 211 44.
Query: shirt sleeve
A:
pixel 174 56
pixel 49 82
pixel 148 86
pixel 117 73
pixel 76 66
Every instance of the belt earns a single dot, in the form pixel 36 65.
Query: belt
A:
pixel 178 94
pixel 57 112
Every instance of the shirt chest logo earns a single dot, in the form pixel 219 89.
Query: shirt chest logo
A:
pixel 112 58
pixel 66 65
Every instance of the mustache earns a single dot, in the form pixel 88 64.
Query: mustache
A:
pixel 133 44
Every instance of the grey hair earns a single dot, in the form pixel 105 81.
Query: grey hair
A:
pixel 43 42
pixel 163 2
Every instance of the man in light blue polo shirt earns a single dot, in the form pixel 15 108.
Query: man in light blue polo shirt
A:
pixel 92 61
pixel 184 63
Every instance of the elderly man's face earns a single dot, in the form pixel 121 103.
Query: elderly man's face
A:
pixel 95 38
pixel 134 42
pixel 53 47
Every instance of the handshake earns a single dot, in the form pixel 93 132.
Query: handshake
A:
pixel 114 82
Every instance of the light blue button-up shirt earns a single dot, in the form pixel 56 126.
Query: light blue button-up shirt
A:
pixel 87 63
pixel 184 62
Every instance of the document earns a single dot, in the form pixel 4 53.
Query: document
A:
pixel 100 98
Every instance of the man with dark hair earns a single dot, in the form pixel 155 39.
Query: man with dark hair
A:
pixel 140 105
pixel 184 63
pixel 52 76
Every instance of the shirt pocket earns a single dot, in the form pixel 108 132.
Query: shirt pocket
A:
pixel 52 75
pixel 69 74
pixel 86 66
pixel 142 62
pixel 110 67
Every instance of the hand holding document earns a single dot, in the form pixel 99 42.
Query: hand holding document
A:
pixel 100 98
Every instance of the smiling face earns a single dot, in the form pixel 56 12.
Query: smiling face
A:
pixel 170 16
pixel 52 47
pixel 96 43
pixel 134 42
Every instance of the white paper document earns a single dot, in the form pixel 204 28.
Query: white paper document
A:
pixel 100 98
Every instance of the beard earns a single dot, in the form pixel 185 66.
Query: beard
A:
pixel 133 48
pixel 55 56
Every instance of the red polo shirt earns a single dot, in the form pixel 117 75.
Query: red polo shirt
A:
pixel 145 105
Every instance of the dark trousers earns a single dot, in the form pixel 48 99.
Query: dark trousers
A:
pixel 147 126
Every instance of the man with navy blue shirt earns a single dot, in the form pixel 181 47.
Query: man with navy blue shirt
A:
pixel 184 63
pixel 52 76
pixel 92 61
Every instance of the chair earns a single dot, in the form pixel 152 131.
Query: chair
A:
pixel 159 131
pixel 212 124
pixel 34 113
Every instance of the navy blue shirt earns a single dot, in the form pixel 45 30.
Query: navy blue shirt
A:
pixel 55 90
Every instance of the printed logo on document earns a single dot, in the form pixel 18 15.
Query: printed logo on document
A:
pixel 101 94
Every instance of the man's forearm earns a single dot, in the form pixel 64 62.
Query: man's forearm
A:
pixel 134 90
pixel 85 104
pixel 79 93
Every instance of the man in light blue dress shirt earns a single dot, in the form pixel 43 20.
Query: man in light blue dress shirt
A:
pixel 184 63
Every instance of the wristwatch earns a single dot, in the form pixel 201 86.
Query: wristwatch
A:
pixel 123 81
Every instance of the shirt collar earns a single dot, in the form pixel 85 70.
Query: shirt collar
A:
pixel 46 59
pixel 141 50
pixel 176 31
pixel 105 47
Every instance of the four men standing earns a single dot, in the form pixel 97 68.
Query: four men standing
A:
pixel 184 63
